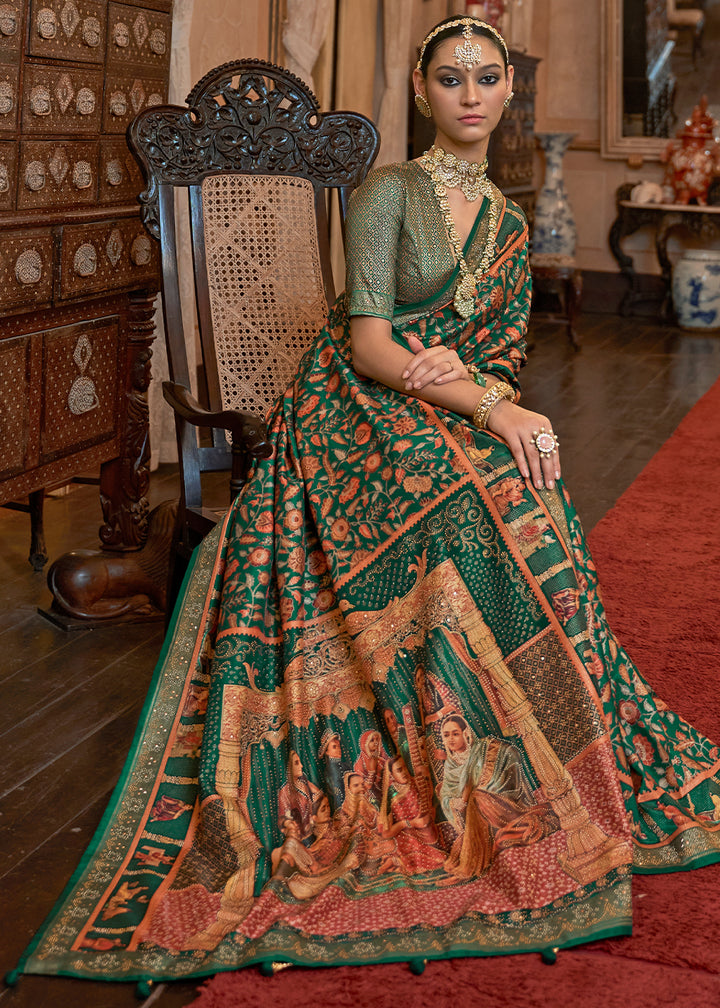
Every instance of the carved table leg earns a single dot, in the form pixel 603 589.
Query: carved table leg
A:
pixel 38 550
pixel 127 580
pixel 124 481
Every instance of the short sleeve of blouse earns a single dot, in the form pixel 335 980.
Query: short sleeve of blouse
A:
pixel 372 232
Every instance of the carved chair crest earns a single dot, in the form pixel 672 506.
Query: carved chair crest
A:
pixel 249 115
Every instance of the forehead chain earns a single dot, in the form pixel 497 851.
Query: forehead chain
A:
pixel 467 24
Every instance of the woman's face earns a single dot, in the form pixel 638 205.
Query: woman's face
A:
pixel 453 738
pixel 466 104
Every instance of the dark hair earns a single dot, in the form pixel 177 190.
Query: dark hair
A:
pixel 456 31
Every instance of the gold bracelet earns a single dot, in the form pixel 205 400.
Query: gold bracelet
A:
pixel 500 390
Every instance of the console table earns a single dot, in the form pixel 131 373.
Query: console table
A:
pixel 663 218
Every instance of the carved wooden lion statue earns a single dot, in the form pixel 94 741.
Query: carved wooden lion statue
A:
pixel 97 585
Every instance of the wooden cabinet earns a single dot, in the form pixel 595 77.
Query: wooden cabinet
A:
pixel 512 145
pixel 78 272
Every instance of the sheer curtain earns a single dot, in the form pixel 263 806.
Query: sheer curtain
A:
pixel 303 34
pixel 393 117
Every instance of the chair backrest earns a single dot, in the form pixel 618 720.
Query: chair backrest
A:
pixel 258 161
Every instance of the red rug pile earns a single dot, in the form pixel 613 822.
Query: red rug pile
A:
pixel 658 554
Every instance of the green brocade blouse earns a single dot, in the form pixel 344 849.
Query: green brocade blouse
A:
pixel 399 260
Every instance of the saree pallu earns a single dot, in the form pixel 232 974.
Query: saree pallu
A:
pixel 389 720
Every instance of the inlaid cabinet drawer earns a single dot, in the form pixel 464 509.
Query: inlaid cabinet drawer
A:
pixel 79 386
pixel 12 19
pixel 68 29
pixel 26 268
pixel 120 177
pixel 106 256
pixel 8 174
pixel 62 99
pixel 14 418
pixel 62 173
pixel 9 100
pixel 138 38
pixel 126 95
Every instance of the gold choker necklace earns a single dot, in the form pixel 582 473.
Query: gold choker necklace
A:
pixel 450 171
pixel 439 165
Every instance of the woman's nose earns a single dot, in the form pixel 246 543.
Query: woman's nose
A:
pixel 471 93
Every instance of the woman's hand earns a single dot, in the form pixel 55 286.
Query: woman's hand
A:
pixel 518 427
pixel 436 365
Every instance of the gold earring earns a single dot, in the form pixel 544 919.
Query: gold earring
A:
pixel 423 106
pixel 509 98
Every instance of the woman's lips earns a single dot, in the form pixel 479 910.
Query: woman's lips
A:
pixel 471 119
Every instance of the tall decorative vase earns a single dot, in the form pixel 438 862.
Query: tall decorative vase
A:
pixel 554 234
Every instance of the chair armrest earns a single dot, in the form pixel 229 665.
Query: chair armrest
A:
pixel 247 430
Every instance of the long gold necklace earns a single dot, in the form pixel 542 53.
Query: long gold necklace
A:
pixel 448 172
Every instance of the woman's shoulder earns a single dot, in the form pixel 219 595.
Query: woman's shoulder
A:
pixel 515 214
pixel 389 180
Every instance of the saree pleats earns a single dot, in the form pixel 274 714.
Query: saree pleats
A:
pixel 390 720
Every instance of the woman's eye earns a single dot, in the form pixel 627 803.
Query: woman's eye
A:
pixel 489 79
pixel 449 81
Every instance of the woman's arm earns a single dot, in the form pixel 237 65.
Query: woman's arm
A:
pixel 438 376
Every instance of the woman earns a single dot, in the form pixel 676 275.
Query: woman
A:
pixel 447 581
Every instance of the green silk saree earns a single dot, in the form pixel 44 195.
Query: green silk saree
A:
pixel 389 721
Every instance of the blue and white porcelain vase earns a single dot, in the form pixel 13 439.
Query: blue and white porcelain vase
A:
pixel 554 234
pixel 696 289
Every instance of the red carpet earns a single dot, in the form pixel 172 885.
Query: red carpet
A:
pixel 658 553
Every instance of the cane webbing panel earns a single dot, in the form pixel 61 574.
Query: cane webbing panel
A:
pixel 266 288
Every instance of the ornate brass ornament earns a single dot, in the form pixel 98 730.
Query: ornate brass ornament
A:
pixel 59 165
pixel 85 101
pixel 121 34
pixel 35 176
pixel 47 24
pixel 141 250
pixel 140 29
pixel 85 260
pixel 69 18
pixel 114 246
pixel 114 172
pixel 118 103
pixel 137 95
pixel 158 42
pixel 82 175
pixel 7 98
pixel 40 102
pixel 9 20
pixel 82 396
pixel 64 92
pixel 91 31
pixel 29 267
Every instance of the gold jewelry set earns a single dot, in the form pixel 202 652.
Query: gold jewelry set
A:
pixel 448 172
pixel 467 55
pixel 467 23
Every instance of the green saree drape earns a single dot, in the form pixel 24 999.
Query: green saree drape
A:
pixel 390 720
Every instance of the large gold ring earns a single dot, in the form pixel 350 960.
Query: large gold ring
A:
pixel 545 442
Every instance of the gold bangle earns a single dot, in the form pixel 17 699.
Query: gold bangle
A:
pixel 500 390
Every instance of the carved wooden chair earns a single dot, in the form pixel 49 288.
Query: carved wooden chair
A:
pixel 258 162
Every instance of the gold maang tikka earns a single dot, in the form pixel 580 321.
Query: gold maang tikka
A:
pixel 468 55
